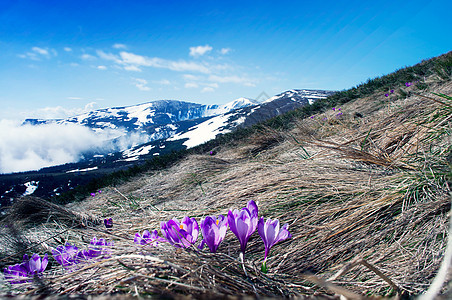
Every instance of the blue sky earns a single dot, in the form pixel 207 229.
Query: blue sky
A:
pixel 60 58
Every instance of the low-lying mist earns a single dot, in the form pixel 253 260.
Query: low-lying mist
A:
pixel 32 147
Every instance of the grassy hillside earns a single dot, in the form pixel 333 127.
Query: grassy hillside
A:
pixel 361 178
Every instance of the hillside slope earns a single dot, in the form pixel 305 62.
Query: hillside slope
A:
pixel 364 187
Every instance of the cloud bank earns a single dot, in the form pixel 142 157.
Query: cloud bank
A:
pixel 59 112
pixel 200 50
pixel 28 147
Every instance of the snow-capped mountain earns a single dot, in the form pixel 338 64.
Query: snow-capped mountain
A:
pixel 157 120
pixel 300 95
pixel 167 126
pixel 244 116
pixel 148 115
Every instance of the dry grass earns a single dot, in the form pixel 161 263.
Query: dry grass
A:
pixel 365 215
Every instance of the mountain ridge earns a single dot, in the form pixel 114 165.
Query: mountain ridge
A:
pixel 170 130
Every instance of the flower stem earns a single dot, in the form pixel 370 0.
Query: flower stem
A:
pixel 243 263
pixel 264 266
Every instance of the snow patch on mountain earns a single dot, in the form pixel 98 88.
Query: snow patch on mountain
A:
pixel 83 170
pixel 297 95
pixel 137 151
pixel 237 103
pixel 207 130
pixel 31 187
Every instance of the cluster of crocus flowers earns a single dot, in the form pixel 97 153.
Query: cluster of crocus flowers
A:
pixel 96 248
pixel 94 194
pixel 25 271
pixel 243 223
pixel 66 255
pixel 148 238
pixel 180 234
pixel 69 255
pixel 390 92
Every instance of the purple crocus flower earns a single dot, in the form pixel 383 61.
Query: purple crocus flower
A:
pixel 180 234
pixel 271 233
pixel 97 247
pixel 108 223
pixel 386 95
pixel 334 108
pixel 16 274
pixel 243 223
pixel 66 255
pixel 148 238
pixel 29 268
pixel 312 117
pixel 392 91
pixel 35 264
pixel 93 194
pixel 213 230
pixel 408 84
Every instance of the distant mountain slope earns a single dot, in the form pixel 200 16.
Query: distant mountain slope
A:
pixel 249 115
pixel 147 117
pixel 167 125
pixel 154 120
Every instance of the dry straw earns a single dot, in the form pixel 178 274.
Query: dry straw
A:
pixel 366 214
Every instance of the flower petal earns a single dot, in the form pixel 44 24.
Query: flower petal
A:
pixel 242 233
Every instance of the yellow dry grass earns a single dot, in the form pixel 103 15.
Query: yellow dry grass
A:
pixel 344 185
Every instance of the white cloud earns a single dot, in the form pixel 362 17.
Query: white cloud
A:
pixel 226 79
pixel 59 112
pixel 225 50
pixel 41 51
pixel 102 67
pixel 119 46
pixel 183 66
pixel 108 56
pixel 88 57
pixel 191 77
pixel 162 82
pixel 38 53
pixel 190 85
pixel 133 62
pixel 200 50
pixel 74 98
pixel 207 89
pixel 67 49
pixel 132 68
pixel 91 106
pixel 212 85
pixel 134 59
pixel 141 84
pixel 28 147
